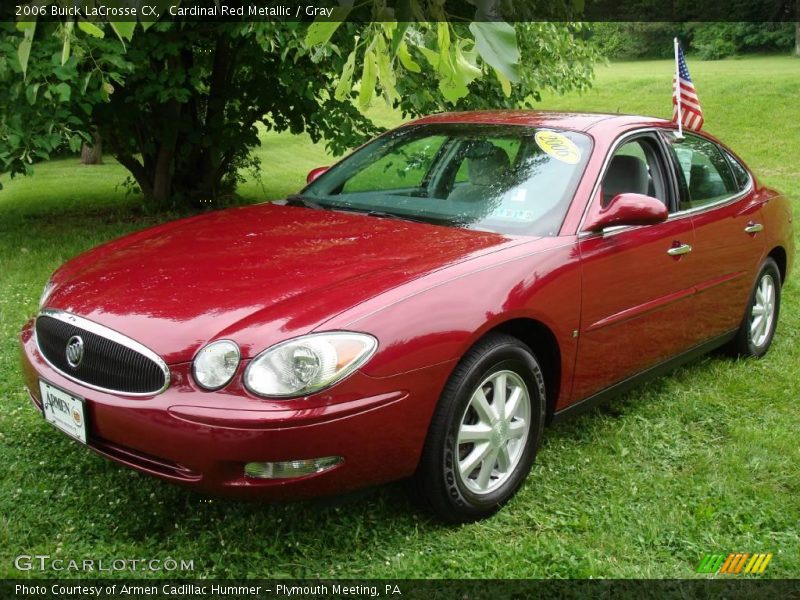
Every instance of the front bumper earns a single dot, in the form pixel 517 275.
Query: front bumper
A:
pixel 204 439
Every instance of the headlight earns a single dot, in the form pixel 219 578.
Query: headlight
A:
pixel 48 287
pixel 215 364
pixel 308 364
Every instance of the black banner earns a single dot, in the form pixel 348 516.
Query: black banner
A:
pixel 404 10
pixel 124 589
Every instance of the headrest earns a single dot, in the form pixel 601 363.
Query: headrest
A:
pixel 626 174
pixel 487 164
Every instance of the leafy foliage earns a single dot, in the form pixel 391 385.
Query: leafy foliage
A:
pixel 711 41
pixel 190 111
pixel 180 104
pixel 719 40
pixel 48 98
pixel 553 57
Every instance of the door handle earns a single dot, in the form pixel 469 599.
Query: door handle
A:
pixel 753 227
pixel 679 250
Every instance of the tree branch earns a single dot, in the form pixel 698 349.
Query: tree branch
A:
pixel 138 171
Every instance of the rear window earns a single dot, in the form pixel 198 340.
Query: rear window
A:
pixel 705 170
pixel 740 174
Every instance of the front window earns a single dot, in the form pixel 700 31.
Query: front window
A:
pixel 636 168
pixel 502 178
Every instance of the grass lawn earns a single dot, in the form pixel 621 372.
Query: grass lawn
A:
pixel 705 460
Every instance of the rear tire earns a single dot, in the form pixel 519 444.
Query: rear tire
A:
pixel 757 328
pixel 485 431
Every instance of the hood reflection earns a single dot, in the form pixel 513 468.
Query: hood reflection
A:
pixel 288 267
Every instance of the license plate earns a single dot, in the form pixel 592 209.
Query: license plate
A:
pixel 65 411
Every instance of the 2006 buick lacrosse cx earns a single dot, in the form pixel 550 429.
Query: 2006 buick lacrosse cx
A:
pixel 421 309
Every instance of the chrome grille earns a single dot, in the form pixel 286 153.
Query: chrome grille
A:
pixel 110 361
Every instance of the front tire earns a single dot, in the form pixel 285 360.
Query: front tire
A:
pixel 757 329
pixel 485 432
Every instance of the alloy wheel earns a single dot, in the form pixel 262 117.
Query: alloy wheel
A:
pixel 762 314
pixel 493 432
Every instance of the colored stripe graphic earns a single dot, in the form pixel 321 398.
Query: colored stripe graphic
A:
pixel 735 563
pixel 754 562
pixel 765 563
pixel 731 558
pixel 710 563
pixel 741 562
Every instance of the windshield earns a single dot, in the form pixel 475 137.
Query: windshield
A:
pixel 501 178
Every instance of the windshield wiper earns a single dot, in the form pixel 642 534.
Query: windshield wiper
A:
pixel 379 214
pixel 303 201
pixel 387 215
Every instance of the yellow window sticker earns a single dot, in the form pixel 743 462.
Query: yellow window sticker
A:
pixel 558 146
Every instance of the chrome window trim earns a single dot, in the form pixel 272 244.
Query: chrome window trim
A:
pixel 673 216
pixel 716 204
pixel 109 334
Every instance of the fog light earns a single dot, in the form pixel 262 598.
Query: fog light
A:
pixel 290 468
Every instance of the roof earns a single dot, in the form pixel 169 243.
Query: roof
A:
pixel 540 118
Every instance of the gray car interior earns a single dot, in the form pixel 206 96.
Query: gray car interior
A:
pixel 486 166
pixel 626 174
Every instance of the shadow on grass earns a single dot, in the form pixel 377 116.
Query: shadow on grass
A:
pixel 636 400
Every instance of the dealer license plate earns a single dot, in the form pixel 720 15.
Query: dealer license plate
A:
pixel 65 411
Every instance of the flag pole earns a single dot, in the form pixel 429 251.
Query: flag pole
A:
pixel 677 90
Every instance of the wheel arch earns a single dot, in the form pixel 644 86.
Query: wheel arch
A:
pixel 544 344
pixel 778 254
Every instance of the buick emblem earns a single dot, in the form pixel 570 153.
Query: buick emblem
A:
pixel 74 351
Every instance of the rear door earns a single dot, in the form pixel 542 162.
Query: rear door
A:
pixel 637 281
pixel 718 194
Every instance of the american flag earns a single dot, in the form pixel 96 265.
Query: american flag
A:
pixel 691 115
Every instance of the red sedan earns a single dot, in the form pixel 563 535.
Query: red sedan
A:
pixel 423 308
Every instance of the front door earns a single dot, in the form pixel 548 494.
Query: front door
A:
pixel 637 281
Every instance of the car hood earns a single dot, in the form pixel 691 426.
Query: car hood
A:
pixel 258 274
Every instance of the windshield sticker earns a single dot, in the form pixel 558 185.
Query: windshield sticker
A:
pixel 519 195
pixel 513 214
pixel 558 146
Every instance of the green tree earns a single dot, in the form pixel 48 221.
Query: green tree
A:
pixel 710 40
pixel 47 107
pixel 637 40
pixel 713 41
pixel 179 105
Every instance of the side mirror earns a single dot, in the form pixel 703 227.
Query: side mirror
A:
pixel 628 209
pixel 314 173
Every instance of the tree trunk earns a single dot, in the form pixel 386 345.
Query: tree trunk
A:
pixel 170 164
pixel 163 170
pixel 211 159
pixel 138 171
pixel 92 155
pixel 797 38
pixel 162 176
